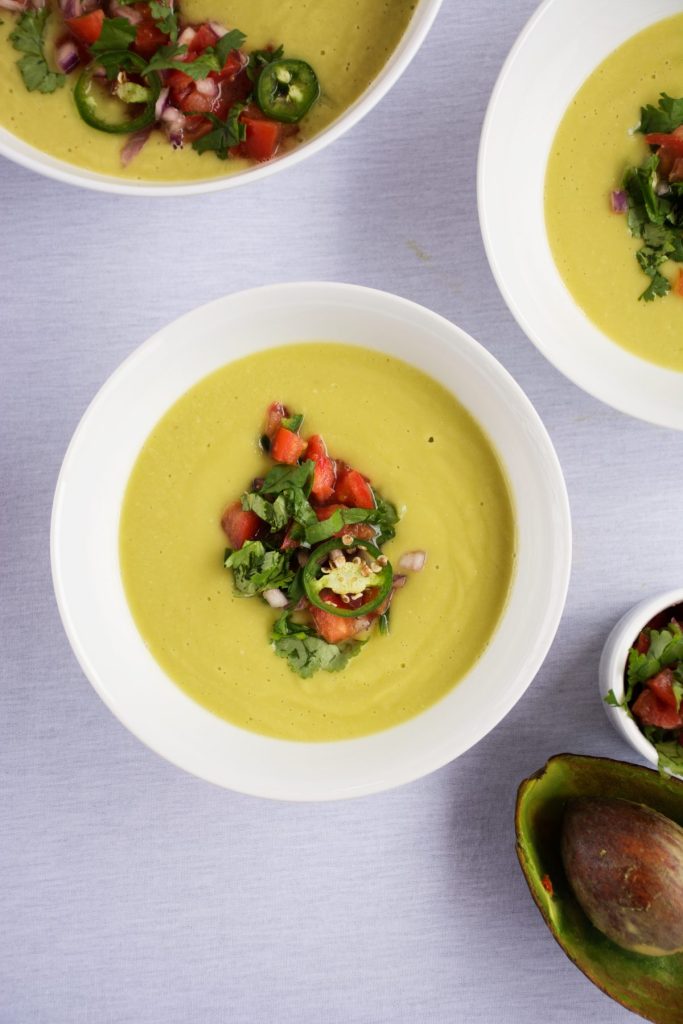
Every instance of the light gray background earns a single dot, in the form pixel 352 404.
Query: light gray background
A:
pixel 131 892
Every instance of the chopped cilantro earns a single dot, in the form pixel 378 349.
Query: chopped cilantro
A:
pixel 666 117
pixel 256 569
pixel 116 34
pixel 669 752
pixel 306 652
pixel 655 214
pixel 232 40
pixel 164 18
pixel 292 423
pixel 27 38
pixel 326 528
pixel 212 59
pixel 282 478
pixel 612 700
pixel 259 58
pixel 225 135
pixel 387 518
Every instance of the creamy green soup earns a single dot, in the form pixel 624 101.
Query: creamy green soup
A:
pixel 347 43
pixel 421 449
pixel 593 147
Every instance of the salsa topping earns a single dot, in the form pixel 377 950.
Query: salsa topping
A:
pixel 653 690
pixel 307 537
pixel 652 196
pixel 141 68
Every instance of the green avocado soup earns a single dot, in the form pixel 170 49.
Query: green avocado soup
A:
pixel 421 449
pixel 347 44
pixel 594 145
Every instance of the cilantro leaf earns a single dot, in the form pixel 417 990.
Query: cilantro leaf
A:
pixel 306 652
pixel 164 18
pixel 255 569
pixel 640 185
pixel 326 528
pixel 669 752
pixel 259 58
pixel 226 134
pixel 292 423
pixel 665 117
pixel 289 504
pixel 282 478
pixel 27 38
pixel 116 34
pixel 611 699
pixel 232 40
pixel 387 518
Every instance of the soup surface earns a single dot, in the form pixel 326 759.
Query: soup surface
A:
pixel 347 44
pixel 593 147
pixel 421 449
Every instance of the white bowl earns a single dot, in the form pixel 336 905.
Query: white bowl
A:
pixel 528 102
pixel 28 156
pixel 613 665
pixel 85 561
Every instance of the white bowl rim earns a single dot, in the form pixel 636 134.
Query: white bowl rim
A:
pixel 613 665
pixel 20 152
pixel 594 385
pixel 430 760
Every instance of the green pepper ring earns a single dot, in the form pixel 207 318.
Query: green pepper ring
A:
pixel 318 557
pixel 85 105
pixel 274 94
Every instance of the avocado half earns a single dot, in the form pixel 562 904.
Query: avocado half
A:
pixel 650 986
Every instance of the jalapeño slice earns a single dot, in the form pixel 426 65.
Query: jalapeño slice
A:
pixel 92 109
pixel 349 575
pixel 287 89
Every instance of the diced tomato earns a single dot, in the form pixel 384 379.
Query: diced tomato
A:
pixel 651 711
pixel 275 413
pixel 148 38
pixel 362 531
pixel 180 85
pixel 204 36
pixel 333 628
pixel 87 27
pixel 195 102
pixel 662 687
pixel 262 138
pixel 325 475
pixel 240 525
pixel 354 490
pixel 642 644
pixel 287 446
pixel 672 141
pixel 234 63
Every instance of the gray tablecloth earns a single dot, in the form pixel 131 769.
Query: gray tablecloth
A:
pixel 131 892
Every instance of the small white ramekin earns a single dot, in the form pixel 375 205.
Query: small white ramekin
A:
pixel 613 665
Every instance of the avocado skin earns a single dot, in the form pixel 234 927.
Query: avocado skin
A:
pixel 647 985
pixel 624 862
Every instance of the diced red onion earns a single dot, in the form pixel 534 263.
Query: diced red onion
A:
pixel 619 201
pixel 301 605
pixel 217 29
pixel 399 581
pixel 66 56
pixel 276 598
pixel 207 87
pixel 71 8
pixel 186 36
pixel 362 623
pixel 13 5
pixel 134 145
pixel 414 561
pixel 161 104
pixel 302 557
pixel 127 11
